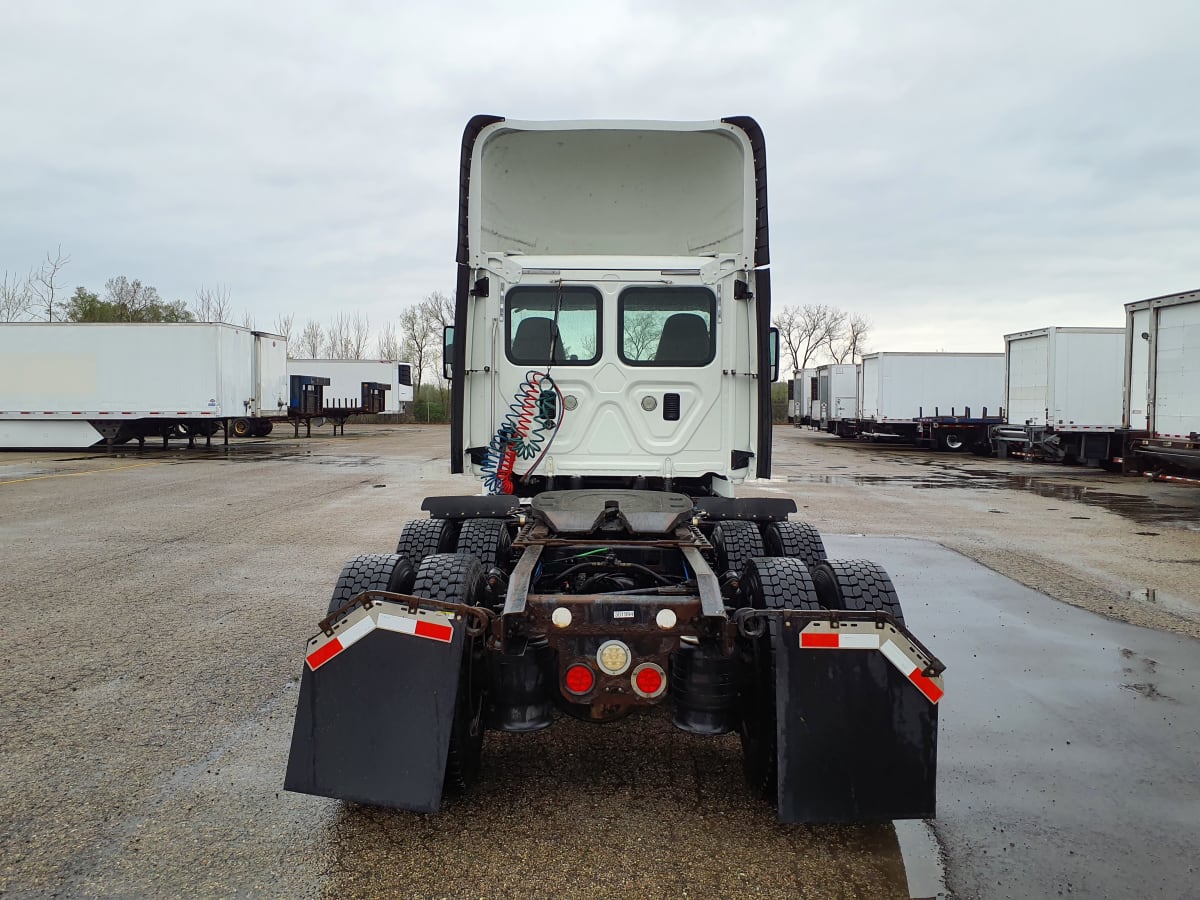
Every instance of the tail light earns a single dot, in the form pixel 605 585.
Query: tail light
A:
pixel 579 679
pixel 649 680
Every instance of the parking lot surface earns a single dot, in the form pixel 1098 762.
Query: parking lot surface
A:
pixel 156 607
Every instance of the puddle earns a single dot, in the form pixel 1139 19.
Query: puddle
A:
pixel 1143 510
pixel 923 858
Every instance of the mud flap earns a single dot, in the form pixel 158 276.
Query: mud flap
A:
pixel 374 717
pixel 856 736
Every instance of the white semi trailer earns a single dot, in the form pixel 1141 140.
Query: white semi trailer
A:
pixel 837 399
pixel 347 376
pixel 804 405
pixel 1063 395
pixel 1162 382
pixel 69 385
pixel 944 400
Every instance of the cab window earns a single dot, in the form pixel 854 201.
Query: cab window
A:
pixel 541 317
pixel 667 326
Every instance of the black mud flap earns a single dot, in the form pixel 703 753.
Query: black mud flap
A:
pixel 857 737
pixel 374 718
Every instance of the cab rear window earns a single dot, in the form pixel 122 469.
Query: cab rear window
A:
pixel 540 318
pixel 667 326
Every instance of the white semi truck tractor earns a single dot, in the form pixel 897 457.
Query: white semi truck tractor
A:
pixel 611 362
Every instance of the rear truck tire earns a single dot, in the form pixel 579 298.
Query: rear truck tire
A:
pixel 372 572
pixel 736 542
pixel 796 539
pixel 424 537
pixel 488 540
pixel 767 583
pixel 458 578
pixel 263 427
pixel 241 428
pixel 858 585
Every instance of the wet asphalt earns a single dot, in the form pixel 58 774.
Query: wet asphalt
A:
pixel 1069 744
pixel 155 607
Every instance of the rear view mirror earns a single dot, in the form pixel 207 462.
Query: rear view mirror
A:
pixel 448 352
pixel 774 351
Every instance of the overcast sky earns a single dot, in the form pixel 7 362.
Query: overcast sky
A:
pixel 953 170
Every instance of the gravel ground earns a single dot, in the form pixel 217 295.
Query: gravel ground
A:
pixel 155 607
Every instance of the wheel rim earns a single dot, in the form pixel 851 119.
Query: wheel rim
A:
pixel 954 441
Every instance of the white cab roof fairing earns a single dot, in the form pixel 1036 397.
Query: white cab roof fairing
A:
pixel 616 188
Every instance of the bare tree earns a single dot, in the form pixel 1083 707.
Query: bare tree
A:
pixel 16 297
pixel 806 329
pixel 312 340
pixel 641 333
pixel 212 304
pixel 347 336
pixel 358 336
pixel 45 282
pixel 335 336
pixel 418 342
pixel 851 340
pixel 283 326
pixel 387 345
pixel 438 310
pixel 248 320
pixel 132 298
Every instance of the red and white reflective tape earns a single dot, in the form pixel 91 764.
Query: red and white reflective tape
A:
pixel 1178 479
pixel 891 643
pixel 382 615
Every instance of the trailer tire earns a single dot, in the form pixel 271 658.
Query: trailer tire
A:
pixel 795 539
pixel 767 583
pixel 488 540
pixel 423 537
pixel 372 572
pixel 458 578
pixel 951 442
pixel 263 427
pixel 737 542
pixel 858 585
pixel 241 428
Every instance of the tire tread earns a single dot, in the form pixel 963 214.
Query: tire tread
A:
pixel 423 537
pixel 737 542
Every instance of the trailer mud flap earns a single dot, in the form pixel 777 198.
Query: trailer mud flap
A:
pixel 856 715
pixel 376 708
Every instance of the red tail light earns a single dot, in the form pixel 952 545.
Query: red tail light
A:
pixel 649 680
pixel 579 679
